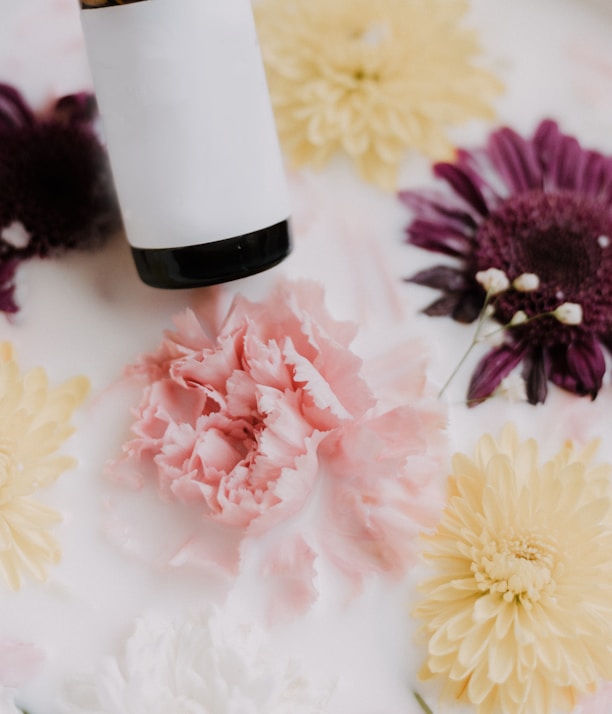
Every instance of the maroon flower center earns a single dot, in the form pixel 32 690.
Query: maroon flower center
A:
pixel 564 238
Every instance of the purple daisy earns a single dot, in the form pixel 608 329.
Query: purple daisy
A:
pixel 56 191
pixel 540 210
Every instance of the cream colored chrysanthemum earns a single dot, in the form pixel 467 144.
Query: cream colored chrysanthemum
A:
pixel 34 421
pixel 519 613
pixel 372 78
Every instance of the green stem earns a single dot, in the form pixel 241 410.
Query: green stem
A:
pixel 466 354
pixel 422 703
pixel 479 325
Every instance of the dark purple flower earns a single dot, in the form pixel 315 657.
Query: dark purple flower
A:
pixel 539 206
pixel 56 191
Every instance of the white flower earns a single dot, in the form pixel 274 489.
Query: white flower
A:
pixel 569 313
pixel 526 282
pixel 198 664
pixel 493 280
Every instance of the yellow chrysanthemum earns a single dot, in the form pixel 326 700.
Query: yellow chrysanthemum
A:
pixel 34 421
pixel 519 613
pixel 372 78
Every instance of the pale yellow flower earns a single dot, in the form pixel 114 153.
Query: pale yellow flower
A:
pixel 371 78
pixel 34 421
pixel 519 613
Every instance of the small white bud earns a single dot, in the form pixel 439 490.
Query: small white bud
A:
pixel 526 282
pixel 16 234
pixel 493 280
pixel 519 317
pixel 569 313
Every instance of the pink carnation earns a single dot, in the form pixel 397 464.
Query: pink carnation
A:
pixel 248 423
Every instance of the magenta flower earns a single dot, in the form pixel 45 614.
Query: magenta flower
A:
pixel 540 211
pixel 56 191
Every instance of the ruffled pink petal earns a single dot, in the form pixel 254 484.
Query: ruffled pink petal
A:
pixel 287 431
pixel 266 363
pixel 293 489
pixel 289 572
pixel 323 398
pixel 214 551
pixel 378 468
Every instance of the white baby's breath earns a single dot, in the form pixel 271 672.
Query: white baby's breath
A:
pixel 526 282
pixel 493 280
pixel 569 313
pixel 519 317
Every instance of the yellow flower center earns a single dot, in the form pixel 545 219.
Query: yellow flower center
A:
pixel 519 566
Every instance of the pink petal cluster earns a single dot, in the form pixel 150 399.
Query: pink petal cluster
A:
pixel 269 413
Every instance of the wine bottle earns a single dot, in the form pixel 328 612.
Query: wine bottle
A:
pixel 191 138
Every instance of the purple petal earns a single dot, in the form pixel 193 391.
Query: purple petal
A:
pixel 463 307
pixel 441 277
pixel 579 367
pixel 567 165
pixel 435 207
pixel 468 307
pixel 606 341
pixel 536 365
pixel 491 369
pixel 78 108
pixel 444 306
pixel 545 140
pixel 439 238
pixel 7 286
pixel 597 175
pixel 463 185
pixel 516 160
pixel 477 165
pixel 14 112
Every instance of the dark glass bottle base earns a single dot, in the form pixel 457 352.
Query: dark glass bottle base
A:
pixel 212 263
